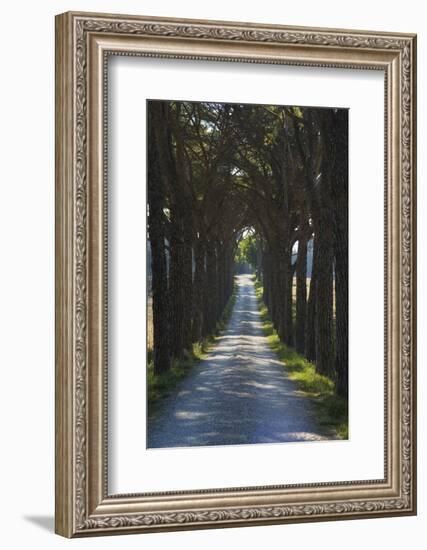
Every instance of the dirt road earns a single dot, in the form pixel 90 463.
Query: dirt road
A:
pixel 238 394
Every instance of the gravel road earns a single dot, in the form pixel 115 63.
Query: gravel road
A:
pixel 238 394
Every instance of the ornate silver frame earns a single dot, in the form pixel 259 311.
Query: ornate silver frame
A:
pixel 83 42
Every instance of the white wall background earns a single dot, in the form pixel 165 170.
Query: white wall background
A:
pixel 27 274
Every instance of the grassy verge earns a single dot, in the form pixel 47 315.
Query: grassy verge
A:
pixel 159 386
pixel 332 410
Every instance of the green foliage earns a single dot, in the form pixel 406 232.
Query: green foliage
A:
pixel 331 409
pixel 160 386
pixel 247 251
pixel 297 112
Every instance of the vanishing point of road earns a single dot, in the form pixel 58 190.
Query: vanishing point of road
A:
pixel 238 394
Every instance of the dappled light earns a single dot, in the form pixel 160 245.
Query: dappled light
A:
pixel 238 394
pixel 247 209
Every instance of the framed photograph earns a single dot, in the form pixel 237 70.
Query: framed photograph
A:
pixel 235 274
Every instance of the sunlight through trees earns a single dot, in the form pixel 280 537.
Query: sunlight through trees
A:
pixel 232 186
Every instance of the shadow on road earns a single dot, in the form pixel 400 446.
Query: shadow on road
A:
pixel 238 394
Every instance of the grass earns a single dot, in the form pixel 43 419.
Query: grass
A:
pixel 331 409
pixel 160 386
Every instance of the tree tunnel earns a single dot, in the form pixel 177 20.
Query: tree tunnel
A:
pixel 267 185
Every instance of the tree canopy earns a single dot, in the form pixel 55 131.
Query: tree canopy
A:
pixel 229 183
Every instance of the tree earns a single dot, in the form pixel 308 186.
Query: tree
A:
pixel 234 183
pixel 156 230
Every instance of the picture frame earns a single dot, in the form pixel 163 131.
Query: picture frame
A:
pixel 84 41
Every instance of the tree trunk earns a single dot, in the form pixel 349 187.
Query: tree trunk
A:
pixel 176 280
pixel 310 330
pixel 218 283
pixel 266 287
pixel 156 230
pixel 187 287
pixel 224 279
pixel 199 284
pixel 301 302
pixel 324 299
pixel 289 325
pixel 230 272
pixel 259 262
pixel 340 195
pixel 322 213
pixel 210 289
pixel 278 296
pixel 341 318
pixel 283 291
